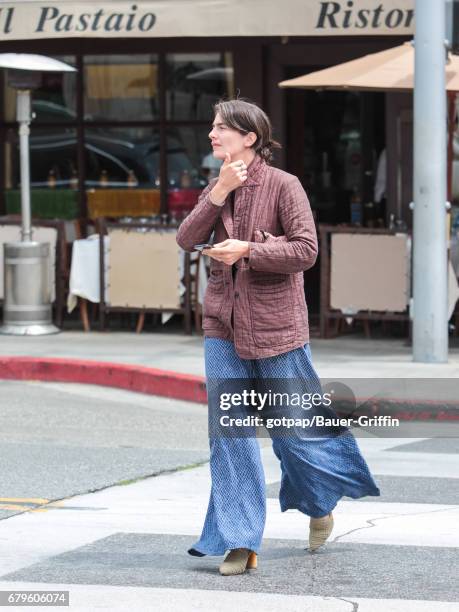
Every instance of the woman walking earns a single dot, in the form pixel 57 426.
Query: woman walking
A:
pixel 255 324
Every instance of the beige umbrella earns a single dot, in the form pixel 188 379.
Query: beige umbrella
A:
pixel 389 70
pixel 392 69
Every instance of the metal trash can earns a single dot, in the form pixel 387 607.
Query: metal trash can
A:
pixel 27 290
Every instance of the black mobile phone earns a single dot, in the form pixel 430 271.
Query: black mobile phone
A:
pixel 200 247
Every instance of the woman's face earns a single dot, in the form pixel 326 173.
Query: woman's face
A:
pixel 224 139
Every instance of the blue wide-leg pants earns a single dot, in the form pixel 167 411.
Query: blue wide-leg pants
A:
pixel 315 472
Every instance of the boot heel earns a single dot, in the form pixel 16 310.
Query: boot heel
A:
pixel 319 531
pixel 252 561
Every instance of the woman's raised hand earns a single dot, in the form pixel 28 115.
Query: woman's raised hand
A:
pixel 232 174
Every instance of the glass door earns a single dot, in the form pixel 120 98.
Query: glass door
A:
pixel 333 140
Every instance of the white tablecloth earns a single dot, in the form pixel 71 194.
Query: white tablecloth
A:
pixel 84 270
pixel 85 277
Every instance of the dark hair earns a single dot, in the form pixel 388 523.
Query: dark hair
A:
pixel 245 116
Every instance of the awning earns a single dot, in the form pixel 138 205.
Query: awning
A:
pixel 37 19
pixel 389 70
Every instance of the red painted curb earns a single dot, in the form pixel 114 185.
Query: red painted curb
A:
pixel 167 383
pixel 153 381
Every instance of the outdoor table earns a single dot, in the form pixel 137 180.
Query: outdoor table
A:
pixel 85 275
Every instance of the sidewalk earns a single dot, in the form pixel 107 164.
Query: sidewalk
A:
pixel 348 356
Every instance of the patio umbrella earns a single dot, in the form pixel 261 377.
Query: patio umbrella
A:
pixel 390 70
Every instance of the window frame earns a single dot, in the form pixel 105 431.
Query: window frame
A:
pixel 163 124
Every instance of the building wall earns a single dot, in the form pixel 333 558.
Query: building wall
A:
pixel 260 63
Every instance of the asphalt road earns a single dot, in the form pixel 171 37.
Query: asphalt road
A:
pixel 58 440
pixel 103 491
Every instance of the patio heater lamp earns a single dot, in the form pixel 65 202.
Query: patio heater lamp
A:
pixel 27 283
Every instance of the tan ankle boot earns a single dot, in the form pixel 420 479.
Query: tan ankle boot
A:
pixel 319 530
pixel 237 561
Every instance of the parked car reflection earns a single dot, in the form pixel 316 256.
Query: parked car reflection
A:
pixel 116 158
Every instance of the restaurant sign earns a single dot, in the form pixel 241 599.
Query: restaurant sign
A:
pixel 34 19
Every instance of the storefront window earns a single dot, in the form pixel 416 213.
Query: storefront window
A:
pixel 121 157
pixel 329 137
pixel 122 171
pixel 195 81
pixel 53 158
pixel 118 135
pixel 53 172
pixel 121 87
pixel 332 146
pixel 188 150
pixel 348 147
pixel 54 101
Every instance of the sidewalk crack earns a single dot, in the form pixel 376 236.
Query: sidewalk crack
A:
pixel 355 605
pixel 371 523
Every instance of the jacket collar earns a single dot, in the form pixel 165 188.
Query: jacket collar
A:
pixel 255 171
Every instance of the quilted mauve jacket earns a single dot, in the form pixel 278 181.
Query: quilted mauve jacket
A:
pixel 272 213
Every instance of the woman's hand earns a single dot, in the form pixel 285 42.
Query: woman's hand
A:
pixel 232 175
pixel 229 251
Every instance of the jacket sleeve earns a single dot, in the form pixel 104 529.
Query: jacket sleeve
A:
pixel 297 250
pixel 197 227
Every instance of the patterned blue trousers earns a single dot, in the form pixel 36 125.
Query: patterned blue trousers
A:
pixel 315 473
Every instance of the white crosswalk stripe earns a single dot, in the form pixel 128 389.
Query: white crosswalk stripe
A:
pixel 175 504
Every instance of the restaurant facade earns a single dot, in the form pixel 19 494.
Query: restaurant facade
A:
pixel 127 133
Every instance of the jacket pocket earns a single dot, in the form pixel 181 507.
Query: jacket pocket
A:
pixel 213 298
pixel 268 282
pixel 261 235
pixel 271 311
